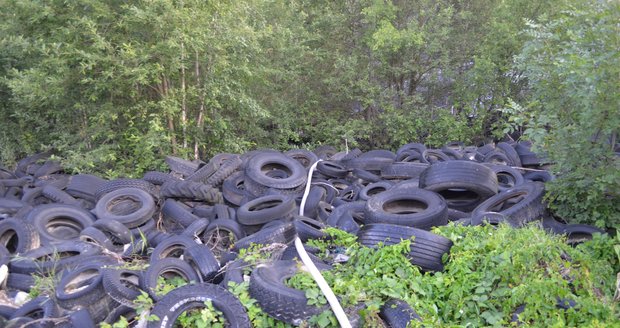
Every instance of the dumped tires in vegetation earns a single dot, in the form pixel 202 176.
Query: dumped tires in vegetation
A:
pixel 211 244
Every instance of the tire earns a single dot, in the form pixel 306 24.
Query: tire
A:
pixel 497 157
pixel 122 285
pixel 373 189
pixel 332 169
pixel 315 195
pixel 403 170
pixel 18 281
pixel 18 237
pixel 417 147
pixel 98 238
pixel 278 300
pixel 264 209
pixel 130 206
pixel 203 261
pixel 281 234
pixel 187 298
pixel 510 152
pixel 462 184
pixel 257 180
pixel 157 178
pixel 427 249
pixel 507 177
pixel 433 156
pixel 528 207
pixel 308 228
pixel 191 190
pixel 78 319
pixel 58 196
pixel 181 166
pixel 227 168
pixel 412 207
pixel 41 307
pixel 233 188
pixel 116 231
pixel 305 157
pixel 172 247
pixel 85 186
pixel 117 184
pixel 167 268
pixel 82 286
pixel 48 260
pixel 58 223
pixel 177 212
pixel 398 314
pixel 222 234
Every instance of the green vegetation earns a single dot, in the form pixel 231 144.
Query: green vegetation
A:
pixel 113 87
pixel 572 65
pixel 490 271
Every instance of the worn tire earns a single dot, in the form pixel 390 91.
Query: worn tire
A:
pixel 187 298
pixel 412 207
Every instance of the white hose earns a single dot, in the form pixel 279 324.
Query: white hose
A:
pixel 316 274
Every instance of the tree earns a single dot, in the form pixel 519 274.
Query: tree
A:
pixel 572 65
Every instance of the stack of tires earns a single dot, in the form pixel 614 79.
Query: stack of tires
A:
pixel 191 222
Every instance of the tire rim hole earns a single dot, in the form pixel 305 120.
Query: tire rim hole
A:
pixel 124 205
pixel 10 240
pixel 404 206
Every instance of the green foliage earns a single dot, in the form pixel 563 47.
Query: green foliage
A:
pixel 258 318
pixel 490 271
pixel 572 65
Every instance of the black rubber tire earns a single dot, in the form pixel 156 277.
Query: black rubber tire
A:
pixel 233 188
pixel 196 229
pixel 204 171
pixel 507 177
pixel 542 176
pixel 191 190
pixel 433 156
pixel 281 234
pixel 168 267
pixel 51 259
pixel 264 209
pixel 257 181
pixel 78 319
pixel 356 209
pixel 278 300
pixel 117 232
pixel 187 298
pixel 463 184
pixel 234 272
pixel 98 238
pixel 398 314
pixel 412 207
pixel 122 285
pixel 181 166
pixel 18 281
pixel 173 246
pixel 332 169
pixel 58 196
pixel 403 170
pixel 204 262
pixel 315 195
pixel 130 206
pixel 228 167
pixel 82 285
pixel 85 186
pixel 117 184
pixel 222 234
pixel 41 307
pixel 427 249
pixel 177 212
pixel 305 157
pixel 18 236
pixel 510 152
pixel 418 147
pixel 325 152
pixel 529 205
pixel 58 223
pixel 115 314
pixel 308 228
pixel 157 178
pixel 497 157
pixel 373 189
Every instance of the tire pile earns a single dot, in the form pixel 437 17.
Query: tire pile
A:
pixel 192 221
